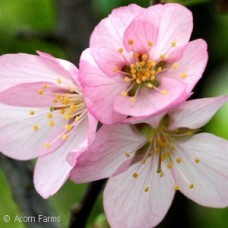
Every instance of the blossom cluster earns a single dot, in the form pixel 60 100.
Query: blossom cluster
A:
pixel 135 78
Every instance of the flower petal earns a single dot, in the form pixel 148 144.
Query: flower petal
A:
pixel 152 101
pixel 138 202
pixel 175 26
pixel 191 65
pixel 23 136
pixel 107 38
pixel 205 165
pixel 99 90
pixel 195 113
pixel 113 146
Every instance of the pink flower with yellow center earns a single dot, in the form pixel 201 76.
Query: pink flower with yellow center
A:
pixel 149 161
pixel 143 62
pixel 43 115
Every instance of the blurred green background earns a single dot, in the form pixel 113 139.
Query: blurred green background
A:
pixel 210 23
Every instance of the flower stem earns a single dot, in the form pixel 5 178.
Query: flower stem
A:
pixel 80 213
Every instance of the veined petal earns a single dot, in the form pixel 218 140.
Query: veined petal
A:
pixel 192 64
pixel 24 132
pixel 113 146
pixel 107 38
pixel 203 173
pixel 175 26
pixel 152 101
pixel 195 113
pixel 138 202
pixel 99 90
pixel 24 68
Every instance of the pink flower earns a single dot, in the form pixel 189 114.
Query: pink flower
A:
pixel 43 116
pixel 148 162
pixel 144 62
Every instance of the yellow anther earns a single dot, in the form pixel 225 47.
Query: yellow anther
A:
pixel 126 79
pixel 54 100
pixel 44 85
pixel 150 43
pixel 40 91
pixel 130 42
pixel 124 93
pixel 138 81
pixel 49 115
pixel 51 123
pixel 183 75
pixel 162 57
pixel 191 186
pixel 59 81
pixel 71 89
pixel 159 69
pixel 132 99
pixel 31 113
pixel 173 44
pixel 144 57
pixel 176 187
pixel 47 145
pixel 68 127
pixel 35 127
pixel 66 116
pixel 164 91
pixel 77 118
pixel 115 69
pixel 127 155
pixel 135 175
pixel 149 85
pixel 136 55
pixel 197 160
pixel 120 50
pixel 175 66
pixel 178 160
pixel 133 71
pixel 169 165
pixel 62 111
pixel 146 189
pixel 161 174
pixel 143 161
pixel 64 137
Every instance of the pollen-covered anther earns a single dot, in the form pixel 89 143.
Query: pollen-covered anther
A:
pixel 164 92
pixel 173 44
pixel 169 165
pixel 183 75
pixel 144 57
pixel 44 85
pixel 35 127
pixel 59 81
pixel 191 186
pixel 197 160
pixel 144 161
pixel 146 189
pixel 49 115
pixel 178 160
pixel 135 175
pixel 120 50
pixel 115 69
pixel 54 100
pixel 66 116
pixel 132 99
pixel 161 174
pixel 51 123
pixel 31 113
pixel 127 155
pixel 126 79
pixel 40 91
pixel 77 118
pixel 176 187
pixel 150 43
pixel 162 57
pixel 68 127
pixel 175 66
pixel 130 42
pixel 47 145
pixel 124 93
pixel 64 136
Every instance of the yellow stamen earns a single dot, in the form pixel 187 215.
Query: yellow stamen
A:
pixel 49 116
pixel 197 160
pixel 68 127
pixel 169 165
pixel 40 91
pixel 175 66
pixel 173 44
pixel 77 118
pixel 35 127
pixel 146 189
pixel 135 175
pixel 164 91
pixel 178 160
pixel 183 75
pixel 115 69
pixel 191 186
pixel 130 42
pixel 162 57
pixel 124 93
pixel 47 145
pixel 31 113
pixel 150 43
pixel 132 99
pixel 59 81
pixel 51 123
pixel 176 187
pixel 44 85
pixel 120 50
pixel 64 137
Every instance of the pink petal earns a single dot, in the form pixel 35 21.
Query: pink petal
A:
pixel 24 68
pixel 151 101
pixel 107 153
pixel 100 90
pixel 126 202
pixel 209 176
pixel 175 26
pixel 26 95
pixel 191 65
pixel 196 113
pixel 19 140
pixel 107 37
